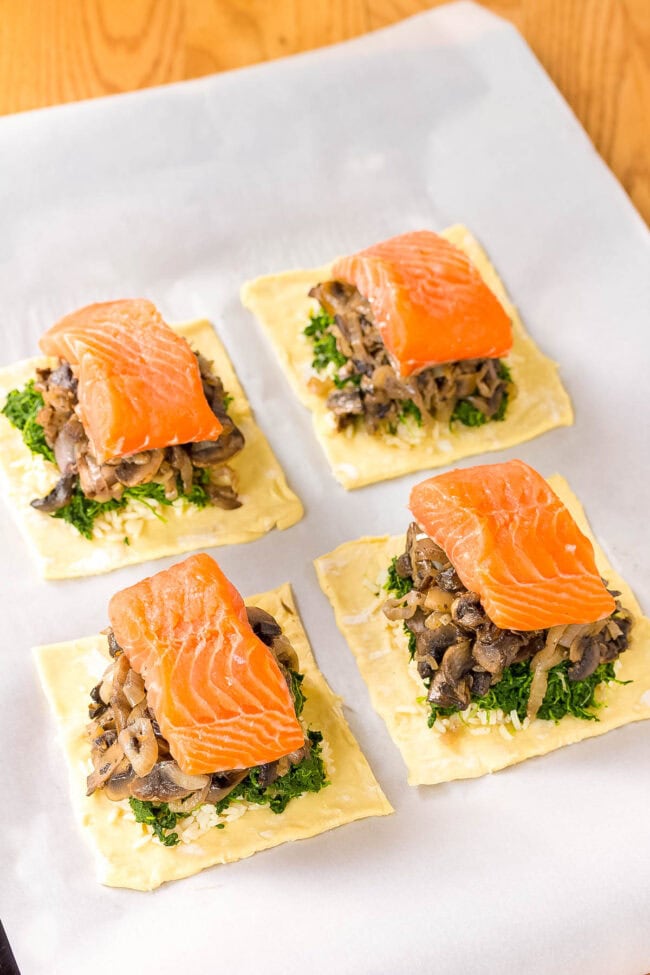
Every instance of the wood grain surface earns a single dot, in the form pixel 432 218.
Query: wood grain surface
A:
pixel 596 51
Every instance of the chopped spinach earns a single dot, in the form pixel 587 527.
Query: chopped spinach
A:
pixel 21 409
pixel 409 410
pixel 325 347
pixel 296 691
pixel 395 584
pixel 399 587
pixel 562 697
pixel 161 819
pixel 470 416
pixel 326 350
pixel 309 775
pixel 82 512
pixel 504 372
pixel 511 693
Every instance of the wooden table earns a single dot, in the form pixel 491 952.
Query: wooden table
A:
pixel 596 51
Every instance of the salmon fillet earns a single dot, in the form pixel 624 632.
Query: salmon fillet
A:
pixel 216 690
pixel 428 301
pixel 139 383
pixel 512 541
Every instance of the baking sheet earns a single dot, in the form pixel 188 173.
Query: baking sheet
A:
pixel 181 193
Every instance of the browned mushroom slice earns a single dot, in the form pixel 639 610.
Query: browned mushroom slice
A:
pixel 263 624
pixel 139 468
pixel 66 446
pixel 345 403
pixel 59 496
pixel 222 784
pixel 166 782
pixel 120 705
pixel 139 744
pixel 105 765
pixel 222 488
pixel 495 649
pixel 284 652
pixel 466 611
pixel 119 785
pixel 450 685
pixel 98 481
pixel 181 462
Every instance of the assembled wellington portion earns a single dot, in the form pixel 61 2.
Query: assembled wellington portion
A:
pixel 409 355
pixel 212 733
pixel 496 629
pixel 133 440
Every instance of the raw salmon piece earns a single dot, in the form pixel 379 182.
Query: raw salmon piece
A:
pixel 512 541
pixel 216 690
pixel 139 382
pixel 428 300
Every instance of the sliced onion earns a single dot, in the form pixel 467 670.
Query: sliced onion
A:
pixel 552 653
pixel 437 599
pixel 569 633
pixel 403 607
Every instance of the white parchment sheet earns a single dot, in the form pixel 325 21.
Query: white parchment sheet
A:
pixel 179 194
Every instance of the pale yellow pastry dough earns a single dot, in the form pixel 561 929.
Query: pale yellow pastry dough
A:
pixel 62 553
pixel 281 303
pixel 351 576
pixel 125 853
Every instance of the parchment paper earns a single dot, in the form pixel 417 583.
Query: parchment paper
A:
pixel 181 193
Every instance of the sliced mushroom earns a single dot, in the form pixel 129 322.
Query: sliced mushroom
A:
pixel 104 768
pixel 62 376
pixel 436 641
pixel 98 482
pixel 139 744
pixel 113 646
pixel 222 487
pixel 209 453
pixel 139 468
pixel 222 784
pixel 166 782
pixel 450 685
pixel 263 624
pixel 466 610
pixel 181 461
pixel 495 649
pixel 481 682
pixel 345 402
pixel 59 496
pixel 65 446
pixel 119 785
pixel 448 580
pixel 284 652
pixel 588 661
